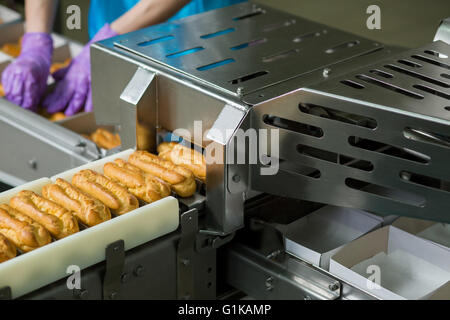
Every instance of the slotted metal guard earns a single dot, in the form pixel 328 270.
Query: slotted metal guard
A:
pixel 377 138
pixel 245 47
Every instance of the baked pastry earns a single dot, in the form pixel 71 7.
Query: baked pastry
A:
pixel 57 117
pixel 180 179
pixel 185 157
pixel 24 232
pixel 12 49
pixel 87 209
pixel 7 249
pixel 105 139
pixel 144 186
pixel 112 194
pixel 59 221
pixel 52 117
pixel 60 65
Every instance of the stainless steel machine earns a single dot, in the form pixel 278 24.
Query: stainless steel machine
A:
pixel 355 123
pixel 356 120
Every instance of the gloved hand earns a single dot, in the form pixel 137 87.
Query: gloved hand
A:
pixel 25 79
pixel 74 87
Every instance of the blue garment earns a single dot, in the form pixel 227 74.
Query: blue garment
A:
pixel 106 11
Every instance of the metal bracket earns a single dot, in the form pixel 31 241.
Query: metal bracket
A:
pixel 138 111
pixel 5 293
pixel 206 242
pixel 261 278
pixel 185 254
pixel 115 261
pixel 443 32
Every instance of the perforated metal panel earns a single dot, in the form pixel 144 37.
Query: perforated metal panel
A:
pixel 243 48
pixel 376 139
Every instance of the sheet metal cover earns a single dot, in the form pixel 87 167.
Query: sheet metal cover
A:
pixel 243 48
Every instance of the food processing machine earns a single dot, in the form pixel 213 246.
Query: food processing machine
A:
pixel 296 115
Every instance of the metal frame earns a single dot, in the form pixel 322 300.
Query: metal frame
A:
pixel 146 272
pixel 284 277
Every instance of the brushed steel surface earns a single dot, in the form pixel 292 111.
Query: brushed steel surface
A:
pixel 33 147
pixel 263 46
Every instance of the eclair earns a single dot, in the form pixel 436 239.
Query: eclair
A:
pixel 181 180
pixel 59 221
pixel 105 139
pixel 24 232
pixel 86 208
pixel 7 249
pixel 112 194
pixel 185 157
pixel 12 49
pixel 144 186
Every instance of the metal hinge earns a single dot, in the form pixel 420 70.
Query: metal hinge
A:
pixel 115 261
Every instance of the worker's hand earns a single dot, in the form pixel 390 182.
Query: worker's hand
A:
pixel 73 91
pixel 25 80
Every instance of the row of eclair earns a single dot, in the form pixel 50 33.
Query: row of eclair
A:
pixel 30 220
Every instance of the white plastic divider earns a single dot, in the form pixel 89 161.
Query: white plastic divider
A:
pixel 96 166
pixel 33 270
pixel 35 186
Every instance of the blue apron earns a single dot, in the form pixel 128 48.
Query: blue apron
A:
pixel 103 11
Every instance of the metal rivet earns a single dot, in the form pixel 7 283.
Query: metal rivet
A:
pixel 185 262
pixel 139 271
pixel 33 164
pixel 406 176
pixel 125 278
pixel 326 72
pixel 334 286
pixel 83 294
pixel 236 178
pixel 240 91
pixel 307 298
pixel 266 160
pixel 113 295
pixel 269 284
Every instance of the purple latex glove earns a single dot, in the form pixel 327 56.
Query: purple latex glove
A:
pixel 74 88
pixel 25 79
